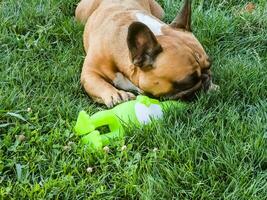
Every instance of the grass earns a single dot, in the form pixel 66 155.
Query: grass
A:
pixel 215 150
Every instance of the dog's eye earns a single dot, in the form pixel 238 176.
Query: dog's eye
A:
pixel 205 71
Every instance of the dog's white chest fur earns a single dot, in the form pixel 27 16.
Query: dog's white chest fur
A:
pixel 153 24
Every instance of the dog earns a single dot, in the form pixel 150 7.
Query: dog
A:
pixel 129 51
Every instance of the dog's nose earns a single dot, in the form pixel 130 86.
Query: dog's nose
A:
pixel 206 81
pixel 209 63
pixel 209 59
pixel 205 77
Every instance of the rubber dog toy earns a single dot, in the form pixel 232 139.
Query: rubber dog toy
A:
pixel 138 112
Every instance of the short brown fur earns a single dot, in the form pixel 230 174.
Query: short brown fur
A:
pixel 108 51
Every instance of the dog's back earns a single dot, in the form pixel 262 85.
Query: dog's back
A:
pixel 87 7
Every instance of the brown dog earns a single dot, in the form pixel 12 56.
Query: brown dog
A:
pixel 128 49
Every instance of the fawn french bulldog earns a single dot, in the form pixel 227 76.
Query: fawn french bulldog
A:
pixel 130 50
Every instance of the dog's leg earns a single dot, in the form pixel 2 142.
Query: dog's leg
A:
pixel 123 83
pixel 156 9
pixel 100 90
pixel 85 8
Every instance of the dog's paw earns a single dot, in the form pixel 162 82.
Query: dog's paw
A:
pixel 118 97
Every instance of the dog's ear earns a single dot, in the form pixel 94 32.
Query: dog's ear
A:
pixel 143 45
pixel 183 19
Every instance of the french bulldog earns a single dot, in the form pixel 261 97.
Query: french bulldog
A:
pixel 129 51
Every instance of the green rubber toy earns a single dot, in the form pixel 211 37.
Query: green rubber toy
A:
pixel 138 112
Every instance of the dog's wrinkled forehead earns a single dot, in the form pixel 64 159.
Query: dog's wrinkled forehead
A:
pixel 187 47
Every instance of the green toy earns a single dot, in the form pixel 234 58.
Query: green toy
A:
pixel 138 112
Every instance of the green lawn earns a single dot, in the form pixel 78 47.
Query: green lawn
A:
pixel 215 150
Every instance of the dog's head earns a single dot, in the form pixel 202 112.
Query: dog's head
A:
pixel 173 65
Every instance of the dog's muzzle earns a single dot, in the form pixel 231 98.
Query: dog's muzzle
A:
pixel 190 94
